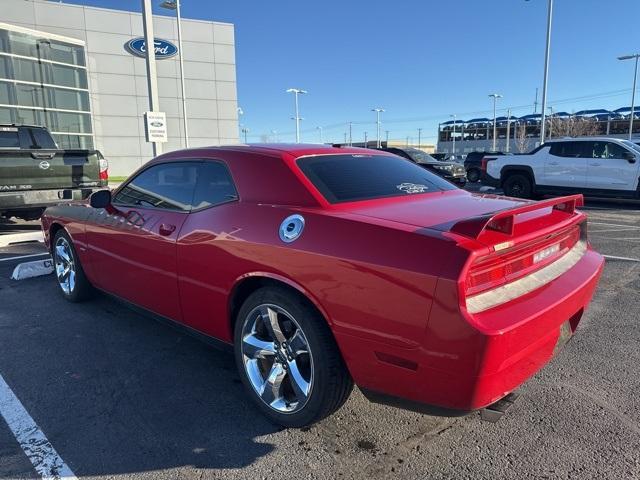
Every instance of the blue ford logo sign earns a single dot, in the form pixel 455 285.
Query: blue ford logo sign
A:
pixel 162 48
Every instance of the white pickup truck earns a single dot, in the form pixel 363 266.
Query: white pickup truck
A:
pixel 595 166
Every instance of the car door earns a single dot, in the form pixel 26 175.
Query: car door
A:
pixel 205 267
pixel 132 246
pixel 608 169
pixel 565 165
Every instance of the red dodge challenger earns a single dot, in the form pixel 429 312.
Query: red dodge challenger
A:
pixel 323 267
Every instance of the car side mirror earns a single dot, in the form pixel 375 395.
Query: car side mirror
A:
pixel 100 199
pixel 629 157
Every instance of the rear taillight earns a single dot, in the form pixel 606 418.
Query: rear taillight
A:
pixel 496 269
pixel 484 162
pixel 104 169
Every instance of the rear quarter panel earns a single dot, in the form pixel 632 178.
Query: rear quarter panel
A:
pixel 370 281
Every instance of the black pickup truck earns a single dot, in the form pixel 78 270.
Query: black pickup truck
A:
pixel 35 173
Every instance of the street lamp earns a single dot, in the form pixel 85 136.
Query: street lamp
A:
pixel 546 72
pixel 378 112
pixel 320 130
pixel 419 137
pixel 495 97
pixel 633 92
pixel 453 137
pixel 175 5
pixel 296 92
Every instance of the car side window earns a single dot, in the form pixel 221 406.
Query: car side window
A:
pixel 169 186
pixel 214 185
pixel 613 150
pixel 565 149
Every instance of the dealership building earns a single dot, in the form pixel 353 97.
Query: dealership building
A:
pixel 80 72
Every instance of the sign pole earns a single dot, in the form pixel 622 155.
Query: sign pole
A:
pixel 152 79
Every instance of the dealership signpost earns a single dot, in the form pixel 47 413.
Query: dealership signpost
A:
pixel 152 82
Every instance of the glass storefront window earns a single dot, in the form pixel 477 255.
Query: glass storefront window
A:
pixel 28 95
pixel 84 142
pixel 41 48
pixel 69 122
pixel 66 76
pixel 5 115
pixel 5 93
pixel 28 116
pixel 66 99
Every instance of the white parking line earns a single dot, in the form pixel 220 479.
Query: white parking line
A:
pixel 634 227
pixel 13 238
pixel 23 256
pixel 32 440
pixel 624 259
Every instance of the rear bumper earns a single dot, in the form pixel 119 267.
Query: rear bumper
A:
pixel 469 362
pixel 31 199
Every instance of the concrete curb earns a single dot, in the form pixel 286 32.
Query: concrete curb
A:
pixel 36 268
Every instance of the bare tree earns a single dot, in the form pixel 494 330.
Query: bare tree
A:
pixel 522 141
pixel 572 127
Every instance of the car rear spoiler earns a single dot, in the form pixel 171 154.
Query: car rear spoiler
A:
pixel 504 221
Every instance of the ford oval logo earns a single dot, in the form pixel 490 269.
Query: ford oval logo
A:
pixel 157 124
pixel 163 48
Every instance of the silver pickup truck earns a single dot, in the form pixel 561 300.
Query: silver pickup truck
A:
pixel 35 173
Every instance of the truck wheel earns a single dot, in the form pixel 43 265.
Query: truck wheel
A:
pixel 473 175
pixel 517 185
pixel 71 279
pixel 288 360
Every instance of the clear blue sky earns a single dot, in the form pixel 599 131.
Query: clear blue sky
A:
pixel 421 60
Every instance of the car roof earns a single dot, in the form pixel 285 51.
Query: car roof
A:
pixel 585 139
pixel 293 149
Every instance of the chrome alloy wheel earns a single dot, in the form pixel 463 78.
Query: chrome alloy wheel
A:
pixel 65 265
pixel 277 358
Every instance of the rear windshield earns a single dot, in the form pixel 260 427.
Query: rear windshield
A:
pixel 348 178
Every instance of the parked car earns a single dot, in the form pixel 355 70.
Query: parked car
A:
pixel 345 265
pixel 448 170
pixel 35 173
pixel 473 164
pixel 595 166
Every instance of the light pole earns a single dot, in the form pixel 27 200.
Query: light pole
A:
pixel 633 92
pixel 365 140
pixel 320 130
pixel 152 76
pixel 546 73
pixel 245 130
pixel 175 5
pixel 296 92
pixel 386 136
pixel 378 112
pixel 495 97
pixel 453 136
pixel 350 134
pixel 419 137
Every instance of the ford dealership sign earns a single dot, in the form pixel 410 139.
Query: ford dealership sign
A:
pixel 162 48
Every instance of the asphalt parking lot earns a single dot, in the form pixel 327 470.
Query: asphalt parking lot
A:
pixel 122 396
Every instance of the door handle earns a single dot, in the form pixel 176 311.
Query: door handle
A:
pixel 554 163
pixel 42 156
pixel 166 229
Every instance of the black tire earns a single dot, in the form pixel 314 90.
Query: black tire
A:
pixel 473 175
pixel 330 385
pixel 80 289
pixel 518 185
